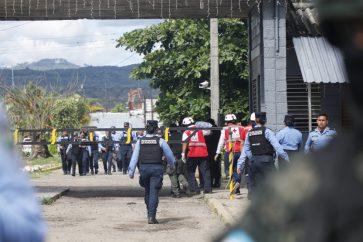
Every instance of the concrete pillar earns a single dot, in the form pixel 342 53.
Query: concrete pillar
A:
pixel 271 60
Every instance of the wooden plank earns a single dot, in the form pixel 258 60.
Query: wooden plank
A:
pixel 121 9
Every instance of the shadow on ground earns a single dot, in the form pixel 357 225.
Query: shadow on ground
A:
pixel 101 191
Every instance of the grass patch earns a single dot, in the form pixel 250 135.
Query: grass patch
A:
pixel 53 161
pixel 48 201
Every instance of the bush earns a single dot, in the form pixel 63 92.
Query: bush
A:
pixel 53 149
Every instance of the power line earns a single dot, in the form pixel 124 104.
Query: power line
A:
pixel 7 51
pixel 16 26
pixel 62 37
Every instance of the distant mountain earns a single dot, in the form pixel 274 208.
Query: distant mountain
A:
pixel 47 64
pixel 108 84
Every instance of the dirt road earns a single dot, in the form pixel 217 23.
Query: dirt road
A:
pixel 111 208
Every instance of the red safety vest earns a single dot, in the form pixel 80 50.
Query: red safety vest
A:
pixel 196 144
pixel 246 130
pixel 238 134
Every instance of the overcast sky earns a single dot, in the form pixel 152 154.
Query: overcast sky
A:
pixel 82 42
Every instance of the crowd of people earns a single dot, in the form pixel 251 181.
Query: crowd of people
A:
pixel 112 148
pixel 250 148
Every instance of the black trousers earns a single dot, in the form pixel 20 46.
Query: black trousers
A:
pixel 123 157
pixel 76 159
pixel 66 163
pixel 259 167
pixel 202 164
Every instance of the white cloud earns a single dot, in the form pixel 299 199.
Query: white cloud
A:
pixel 81 42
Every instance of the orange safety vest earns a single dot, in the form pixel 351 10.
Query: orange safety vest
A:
pixel 238 134
pixel 196 144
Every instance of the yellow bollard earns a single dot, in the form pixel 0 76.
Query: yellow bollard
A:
pixel 91 136
pixel 16 132
pixel 230 168
pixel 167 135
pixel 54 137
pixel 128 141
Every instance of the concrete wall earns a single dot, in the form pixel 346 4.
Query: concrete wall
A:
pixel 272 91
pixel 332 96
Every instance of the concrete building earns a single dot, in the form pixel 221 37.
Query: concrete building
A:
pixel 293 70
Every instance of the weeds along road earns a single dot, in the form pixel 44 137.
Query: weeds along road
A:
pixel 111 208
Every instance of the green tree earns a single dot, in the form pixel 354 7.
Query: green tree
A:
pixel 177 58
pixel 71 112
pixel 29 106
pixel 119 108
pixel 32 107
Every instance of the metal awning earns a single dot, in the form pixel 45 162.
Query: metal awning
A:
pixel 319 61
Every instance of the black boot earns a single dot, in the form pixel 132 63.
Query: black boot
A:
pixel 152 220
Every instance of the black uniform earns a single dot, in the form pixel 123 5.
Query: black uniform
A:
pixel 107 155
pixel 94 157
pixel 66 163
pixel 75 155
pixel 215 166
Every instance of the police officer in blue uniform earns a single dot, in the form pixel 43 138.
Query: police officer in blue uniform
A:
pixel 289 138
pixel 149 150
pixel 124 152
pixel 260 146
pixel 321 136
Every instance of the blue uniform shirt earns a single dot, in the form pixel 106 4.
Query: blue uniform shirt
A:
pixel 242 159
pixel 289 138
pixel 269 135
pixel 122 136
pixel 318 140
pixel 163 145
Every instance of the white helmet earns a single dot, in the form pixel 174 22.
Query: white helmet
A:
pixel 230 117
pixel 188 121
pixel 253 117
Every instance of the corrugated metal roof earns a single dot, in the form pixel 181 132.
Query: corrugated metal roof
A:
pixel 319 61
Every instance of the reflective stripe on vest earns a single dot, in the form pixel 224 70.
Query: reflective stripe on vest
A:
pixel 196 144
pixel 237 137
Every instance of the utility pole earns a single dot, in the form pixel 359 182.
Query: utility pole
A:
pixel 214 71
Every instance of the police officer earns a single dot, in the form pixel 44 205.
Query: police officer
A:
pixel 74 153
pixel 197 156
pixel 149 150
pixel 85 153
pixel 62 148
pixel 107 148
pixel 321 136
pixel 95 149
pixel 232 137
pixel 124 152
pixel 115 137
pixel 215 165
pixel 289 138
pixel 260 146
